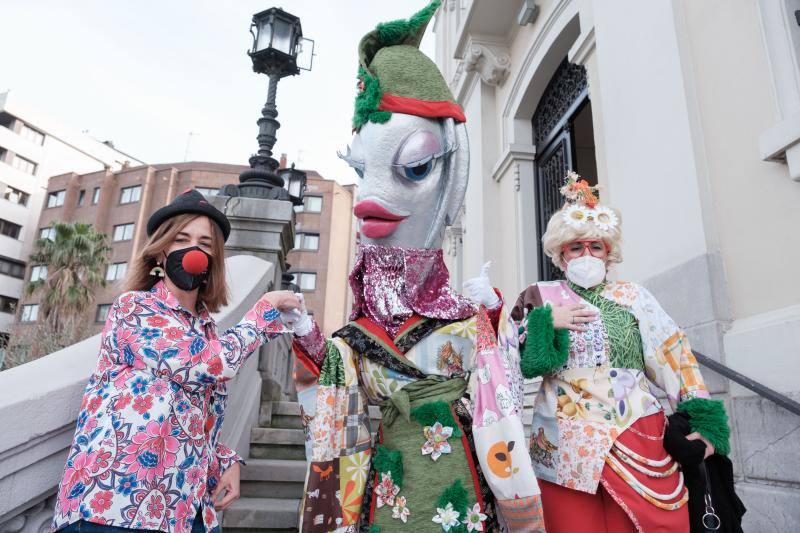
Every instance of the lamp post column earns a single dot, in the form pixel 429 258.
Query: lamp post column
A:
pixel 267 124
pixel 259 208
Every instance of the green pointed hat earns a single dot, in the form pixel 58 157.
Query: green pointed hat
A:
pixel 394 76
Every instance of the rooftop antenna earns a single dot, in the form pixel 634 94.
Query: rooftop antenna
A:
pixel 188 142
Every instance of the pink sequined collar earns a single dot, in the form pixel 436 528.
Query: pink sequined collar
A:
pixel 391 284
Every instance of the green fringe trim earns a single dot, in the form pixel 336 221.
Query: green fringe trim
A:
pixel 374 529
pixel 404 31
pixel 456 495
pixel 332 370
pixel 429 413
pixel 708 418
pixel 546 348
pixel 390 461
pixel 368 100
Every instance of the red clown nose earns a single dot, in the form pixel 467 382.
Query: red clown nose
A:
pixel 195 262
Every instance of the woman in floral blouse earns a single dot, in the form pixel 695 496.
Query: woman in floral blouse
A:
pixel 146 454
pixel 597 439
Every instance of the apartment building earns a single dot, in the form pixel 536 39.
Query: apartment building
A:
pixel 118 203
pixel 33 147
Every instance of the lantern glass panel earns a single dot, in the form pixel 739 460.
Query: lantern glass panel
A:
pixel 295 182
pixel 286 175
pixel 305 53
pixel 283 36
pixel 264 34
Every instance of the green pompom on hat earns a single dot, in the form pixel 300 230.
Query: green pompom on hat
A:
pixel 396 77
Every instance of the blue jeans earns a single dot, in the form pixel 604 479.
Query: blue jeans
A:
pixel 82 526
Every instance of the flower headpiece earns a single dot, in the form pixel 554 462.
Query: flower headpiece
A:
pixel 583 208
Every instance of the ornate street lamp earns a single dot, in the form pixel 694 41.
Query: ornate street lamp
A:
pixel 294 181
pixel 279 50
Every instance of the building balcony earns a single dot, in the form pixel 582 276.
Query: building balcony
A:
pixel 21 146
pixel 20 180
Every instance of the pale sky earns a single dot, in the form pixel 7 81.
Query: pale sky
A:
pixel 145 73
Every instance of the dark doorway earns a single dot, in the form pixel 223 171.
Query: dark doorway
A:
pixel 564 139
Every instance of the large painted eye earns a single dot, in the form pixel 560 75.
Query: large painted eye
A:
pixel 419 172
pixel 417 155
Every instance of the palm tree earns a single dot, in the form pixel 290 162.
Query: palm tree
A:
pixel 76 261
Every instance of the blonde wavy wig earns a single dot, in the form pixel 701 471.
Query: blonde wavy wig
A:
pixel 560 233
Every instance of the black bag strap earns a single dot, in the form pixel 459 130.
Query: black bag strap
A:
pixel 711 521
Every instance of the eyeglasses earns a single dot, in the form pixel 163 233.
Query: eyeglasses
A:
pixel 577 248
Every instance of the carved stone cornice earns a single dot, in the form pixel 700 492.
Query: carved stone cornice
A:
pixel 492 63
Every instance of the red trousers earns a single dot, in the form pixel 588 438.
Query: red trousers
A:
pixel 568 511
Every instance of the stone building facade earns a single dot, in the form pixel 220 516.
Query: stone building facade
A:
pixel 687 114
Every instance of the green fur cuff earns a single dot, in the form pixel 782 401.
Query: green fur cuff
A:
pixel 708 418
pixel 546 348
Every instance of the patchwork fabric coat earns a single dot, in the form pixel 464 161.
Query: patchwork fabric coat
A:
pixel 449 452
pixel 586 424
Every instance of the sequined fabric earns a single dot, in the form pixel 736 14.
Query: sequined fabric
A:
pixel 390 284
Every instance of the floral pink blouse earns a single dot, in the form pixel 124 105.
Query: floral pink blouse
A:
pixel 145 453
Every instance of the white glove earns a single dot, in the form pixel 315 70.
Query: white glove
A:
pixel 298 319
pixel 480 289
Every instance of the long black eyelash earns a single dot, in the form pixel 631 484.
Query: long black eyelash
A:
pixel 446 151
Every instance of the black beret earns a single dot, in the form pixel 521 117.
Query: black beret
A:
pixel 190 201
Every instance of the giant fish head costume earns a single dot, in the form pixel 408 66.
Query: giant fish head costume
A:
pixel 410 146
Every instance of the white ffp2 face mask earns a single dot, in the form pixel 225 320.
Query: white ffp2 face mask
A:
pixel 586 271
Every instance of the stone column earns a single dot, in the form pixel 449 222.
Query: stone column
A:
pixel 145 204
pixel 265 229
pixel 71 197
pixel 173 185
pixel 104 205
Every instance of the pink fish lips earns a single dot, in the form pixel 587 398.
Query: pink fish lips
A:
pixel 377 222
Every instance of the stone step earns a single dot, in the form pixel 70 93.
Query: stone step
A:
pixel 277 443
pixel 270 530
pixel 277 436
pixel 281 415
pixel 287 415
pixel 277 451
pixel 273 478
pixel 261 514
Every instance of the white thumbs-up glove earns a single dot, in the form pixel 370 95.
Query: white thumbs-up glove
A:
pixel 480 289
pixel 298 319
